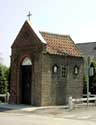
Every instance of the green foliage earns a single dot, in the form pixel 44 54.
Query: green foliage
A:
pixel 85 79
pixel 4 79
pixel 94 64
pixel 92 79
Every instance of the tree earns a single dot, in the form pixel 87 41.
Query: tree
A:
pixel 92 77
pixel 4 79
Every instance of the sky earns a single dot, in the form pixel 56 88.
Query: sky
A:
pixel 76 18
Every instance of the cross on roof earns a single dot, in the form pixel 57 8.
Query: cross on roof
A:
pixel 29 15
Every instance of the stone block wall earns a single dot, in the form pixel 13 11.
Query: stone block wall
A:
pixel 55 89
pixel 16 60
pixel 75 82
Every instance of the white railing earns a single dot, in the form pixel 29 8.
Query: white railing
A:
pixel 84 99
pixel 6 97
pixel 72 102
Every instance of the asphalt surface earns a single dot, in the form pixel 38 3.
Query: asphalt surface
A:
pixel 26 119
pixel 82 115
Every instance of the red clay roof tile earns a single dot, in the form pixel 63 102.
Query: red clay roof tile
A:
pixel 60 44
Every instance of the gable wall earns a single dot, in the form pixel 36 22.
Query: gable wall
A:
pixel 21 48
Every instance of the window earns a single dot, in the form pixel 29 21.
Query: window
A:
pixel 63 71
pixel 55 68
pixel 26 61
pixel 76 70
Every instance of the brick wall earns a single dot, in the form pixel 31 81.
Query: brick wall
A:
pixel 26 44
pixel 55 89
pixel 75 82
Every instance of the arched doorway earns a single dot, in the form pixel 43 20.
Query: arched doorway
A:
pixel 26 81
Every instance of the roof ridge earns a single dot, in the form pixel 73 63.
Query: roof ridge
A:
pixel 36 31
pixel 51 33
pixel 60 44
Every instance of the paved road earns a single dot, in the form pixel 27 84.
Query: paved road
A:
pixel 83 113
pixel 49 116
pixel 32 119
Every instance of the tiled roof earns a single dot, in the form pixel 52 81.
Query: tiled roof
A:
pixel 60 44
pixel 88 49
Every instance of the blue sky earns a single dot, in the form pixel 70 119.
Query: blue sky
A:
pixel 74 17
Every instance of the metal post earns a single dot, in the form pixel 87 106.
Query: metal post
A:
pixel 88 66
pixel 87 90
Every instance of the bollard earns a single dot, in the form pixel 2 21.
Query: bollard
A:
pixel 70 103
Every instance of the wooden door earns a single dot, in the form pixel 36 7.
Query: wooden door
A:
pixel 26 84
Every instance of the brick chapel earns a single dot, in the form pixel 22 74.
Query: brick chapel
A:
pixel 46 68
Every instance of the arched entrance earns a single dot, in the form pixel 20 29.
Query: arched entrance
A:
pixel 26 81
